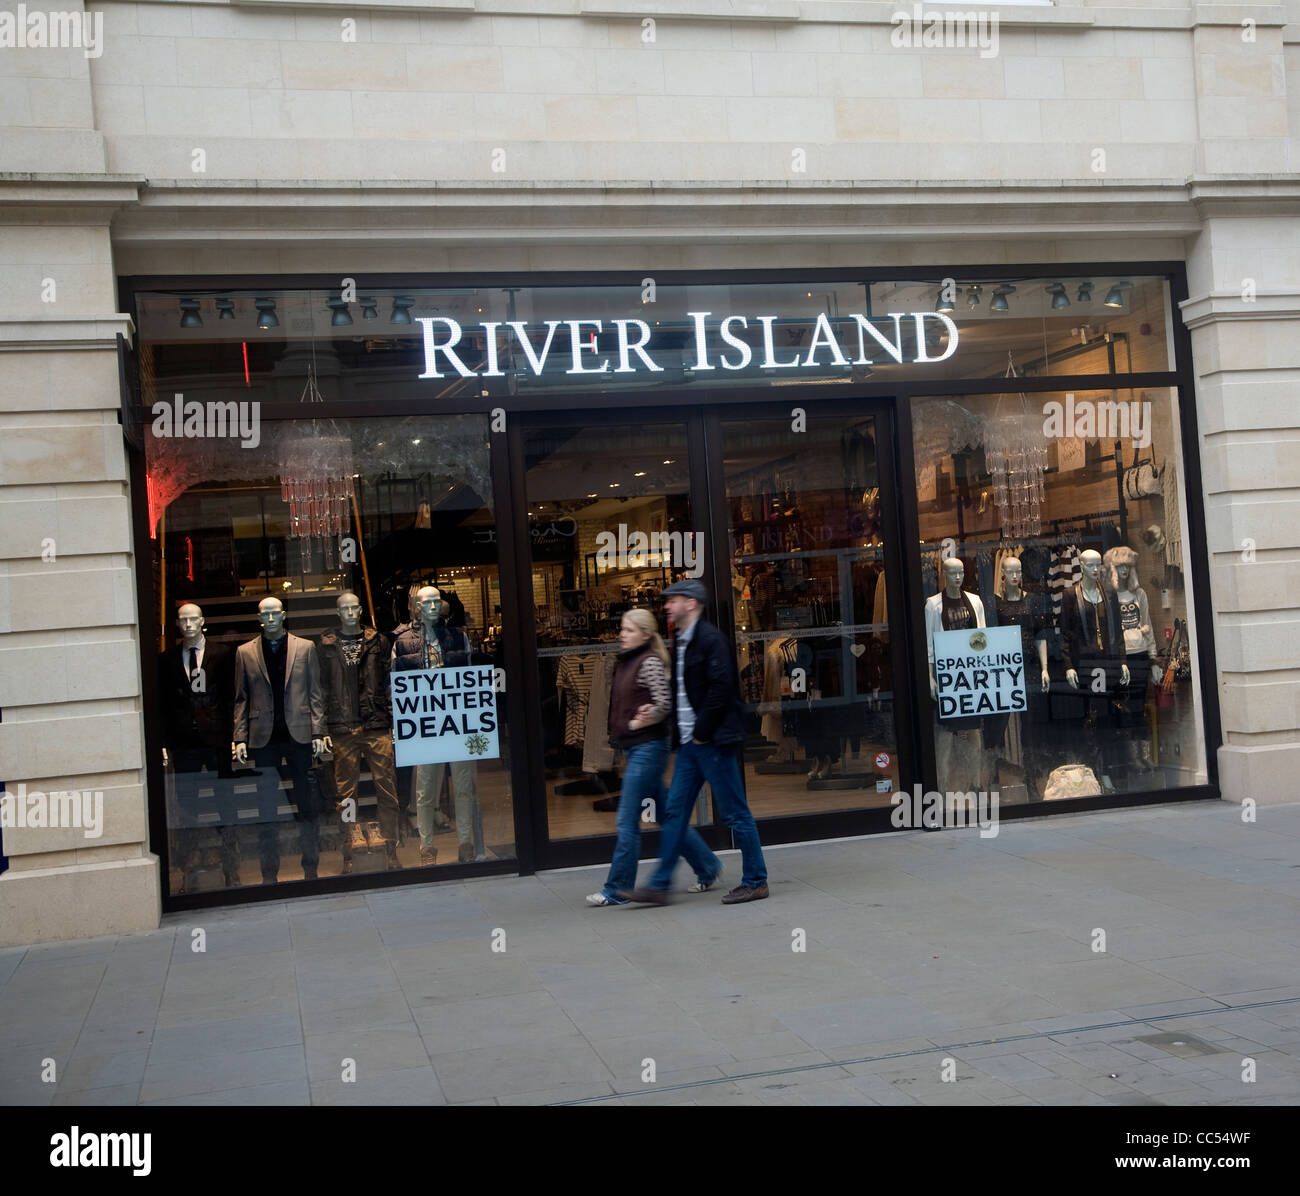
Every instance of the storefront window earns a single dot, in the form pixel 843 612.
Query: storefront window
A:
pixel 295 571
pixel 1061 516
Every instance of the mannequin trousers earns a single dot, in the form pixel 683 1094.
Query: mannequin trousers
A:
pixel 464 788
pixel 376 744
pixel 959 759
pixel 306 797
pixel 193 770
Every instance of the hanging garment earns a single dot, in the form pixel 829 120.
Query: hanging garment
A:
pixel 597 751
pixel 985 572
pixel 1173 516
pixel 1064 572
pixel 574 681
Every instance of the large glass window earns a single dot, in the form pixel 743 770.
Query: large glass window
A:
pixel 1061 515
pixel 295 570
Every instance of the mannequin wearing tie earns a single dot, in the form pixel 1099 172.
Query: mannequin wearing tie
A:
pixel 194 686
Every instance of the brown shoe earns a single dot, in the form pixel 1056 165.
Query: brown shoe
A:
pixel 428 855
pixel 740 894
pixel 645 896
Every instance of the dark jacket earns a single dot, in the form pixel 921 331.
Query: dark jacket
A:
pixel 408 648
pixel 374 700
pixel 712 688
pixel 628 694
pixel 197 721
pixel 1079 629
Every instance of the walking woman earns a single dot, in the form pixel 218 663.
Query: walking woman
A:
pixel 639 704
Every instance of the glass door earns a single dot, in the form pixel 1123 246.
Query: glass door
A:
pixel 611 523
pixel 808 501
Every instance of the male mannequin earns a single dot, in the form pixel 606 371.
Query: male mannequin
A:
pixel 195 681
pixel 279 712
pixel 1014 736
pixel 354 665
pixel 1096 665
pixel 431 644
pixel 957 743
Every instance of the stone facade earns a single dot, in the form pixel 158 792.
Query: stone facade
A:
pixel 482 135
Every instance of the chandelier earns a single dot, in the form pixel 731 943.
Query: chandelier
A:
pixel 1015 452
pixel 316 482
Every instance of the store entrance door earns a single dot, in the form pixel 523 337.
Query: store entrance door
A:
pixel 789 520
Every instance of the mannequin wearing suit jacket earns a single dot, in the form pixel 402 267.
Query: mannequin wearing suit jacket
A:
pixel 958 746
pixel 279 712
pixel 195 681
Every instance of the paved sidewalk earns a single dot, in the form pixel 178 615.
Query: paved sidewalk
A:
pixel 920 948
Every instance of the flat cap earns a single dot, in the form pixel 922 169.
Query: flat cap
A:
pixel 688 588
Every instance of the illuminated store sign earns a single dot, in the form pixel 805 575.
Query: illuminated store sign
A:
pixel 858 340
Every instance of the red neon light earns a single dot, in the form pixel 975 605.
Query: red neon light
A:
pixel 246 381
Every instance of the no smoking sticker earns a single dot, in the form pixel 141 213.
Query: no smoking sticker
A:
pixel 882 759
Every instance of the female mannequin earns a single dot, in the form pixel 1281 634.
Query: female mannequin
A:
pixel 1012 737
pixel 1139 645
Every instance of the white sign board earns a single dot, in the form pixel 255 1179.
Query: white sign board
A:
pixel 444 714
pixel 980 670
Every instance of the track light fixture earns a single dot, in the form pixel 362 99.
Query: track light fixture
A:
pixel 999 300
pixel 341 314
pixel 1059 298
pixel 369 308
pixel 1085 292
pixel 225 309
pixel 190 317
pixel 266 317
pixel 1115 296
pixel 402 305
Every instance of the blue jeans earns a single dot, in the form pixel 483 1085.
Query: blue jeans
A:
pixel 644 778
pixel 697 763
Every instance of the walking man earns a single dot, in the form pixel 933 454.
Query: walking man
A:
pixel 708 729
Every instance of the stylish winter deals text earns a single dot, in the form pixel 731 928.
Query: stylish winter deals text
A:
pixel 446 714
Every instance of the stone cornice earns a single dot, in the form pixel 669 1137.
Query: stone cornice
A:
pixel 498 212
pixel 58 198
pixel 1222 306
pixel 64 332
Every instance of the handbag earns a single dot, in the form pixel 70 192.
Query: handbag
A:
pixel 1142 478
pixel 1071 780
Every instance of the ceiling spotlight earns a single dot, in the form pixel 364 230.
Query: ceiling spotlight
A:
pixel 973 296
pixel 369 308
pixel 999 300
pixel 946 305
pixel 639 474
pixel 266 317
pixel 341 314
pixel 1059 298
pixel 402 305
pixel 1085 292
pixel 1115 296
pixel 225 309
pixel 190 317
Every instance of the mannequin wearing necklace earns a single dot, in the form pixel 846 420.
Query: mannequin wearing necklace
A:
pixel 1013 737
pixel 1096 666
pixel 958 744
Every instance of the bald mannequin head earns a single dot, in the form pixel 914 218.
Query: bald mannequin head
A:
pixel 270 613
pixel 189 621
pixel 954 573
pixel 349 610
